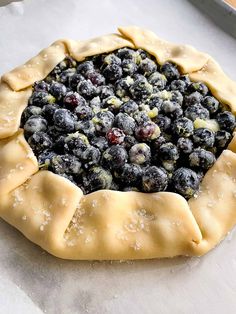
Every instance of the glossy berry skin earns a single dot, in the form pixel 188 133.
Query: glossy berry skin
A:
pixel 41 98
pixel 168 152
pixel 140 154
pixel 226 121
pixel 211 104
pixel 131 174
pixel 185 182
pixel 73 99
pixel 48 111
pixel 97 178
pixel 75 79
pixel 40 141
pixel 86 126
pixel 115 136
pixel 148 131
pixel 185 145
pixel 58 90
pixel 202 159
pixel 114 157
pixel 35 124
pixel 41 86
pixel 154 179
pixel 124 122
pixel 67 164
pixel 91 156
pixel 222 138
pixel 198 87
pixel 103 121
pixel 204 138
pixel 197 111
pixel 170 71
pixel 193 98
pixel 63 120
pixel 183 127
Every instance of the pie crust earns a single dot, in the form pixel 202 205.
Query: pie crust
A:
pixel 53 212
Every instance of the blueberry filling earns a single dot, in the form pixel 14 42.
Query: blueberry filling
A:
pixel 121 121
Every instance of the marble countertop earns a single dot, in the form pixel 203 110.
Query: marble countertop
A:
pixel 31 281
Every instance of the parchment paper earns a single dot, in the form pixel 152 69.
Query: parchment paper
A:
pixel 31 281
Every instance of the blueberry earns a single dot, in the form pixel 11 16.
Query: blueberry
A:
pixel 211 103
pixel 48 111
pixel 154 179
pixel 112 72
pixel 226 121
pixel 106 91
pixel 222 139
pixel 168 152
pixel 198 87
pixel 129 141
pixel 172 109
pixel 65 76
pixel 183 127
pixel 44 158
pixel 87 89
pixel 185 182
pixel 35 124
pixel 58 90
pixel 130 175
pixel 100 142
pixel 68 62
pixel 95 104
pixel 129 107
pixel 75 79
pixel 178 85
pixel 59 144
pixel 140 154
pixel 122 86
pixel 157 80
pixel 147 67
pixel 154 101
pixel 196 111
pixel 114 157
pixel 112 59
pixel 192 99
pixel 170 71
pixel 156 144
pixel 84 112
pixel 41 86
pixel 65 164
pixel 140 55
pixel 63 120
pixel 112 102
pixel 115 136
pixel 103 121
pixel 85 67
pixel 141 89
pixel 73 99
pixel 185 145
pixel 91 156
pixel 76 143
pixel 41 98
pixel 129 67
pixel 185 79
pixel 29 112
pixel 126 53
pixel 86 126
pixel 201 158
pixel 204 138
pixel 148 131
pixel 177 97
pixel 141 117
pixel 124 122
pixel 96 78
pixel 39 141
pixel 97 178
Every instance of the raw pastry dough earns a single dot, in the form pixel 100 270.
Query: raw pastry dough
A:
pixel 53 212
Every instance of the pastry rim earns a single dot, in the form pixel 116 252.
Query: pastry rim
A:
pixel 178 226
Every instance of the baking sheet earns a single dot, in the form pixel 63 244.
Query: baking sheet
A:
pixel 31 281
